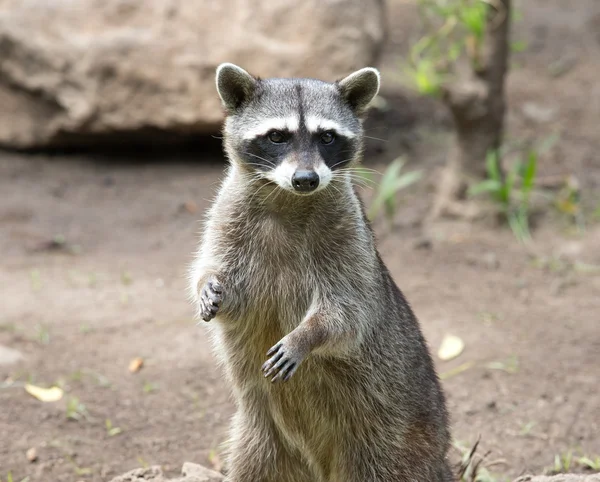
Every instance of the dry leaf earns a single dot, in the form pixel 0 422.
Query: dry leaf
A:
pixel 136 364
pixel 190 206
pixel 53 394
pixel 451 347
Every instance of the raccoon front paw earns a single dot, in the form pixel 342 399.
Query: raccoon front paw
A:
pixel 211 297
pixel 283 363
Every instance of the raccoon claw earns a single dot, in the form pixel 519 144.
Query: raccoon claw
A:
pixel 210 299
pixel 283 363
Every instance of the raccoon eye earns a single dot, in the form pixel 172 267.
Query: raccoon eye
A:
pixel 276 137
pixel 327 137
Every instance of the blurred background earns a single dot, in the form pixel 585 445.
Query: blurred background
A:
pixel 110 154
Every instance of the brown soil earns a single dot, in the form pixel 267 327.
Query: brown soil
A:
pixel 80 311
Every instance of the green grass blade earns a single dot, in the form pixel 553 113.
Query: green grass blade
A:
pixel 547 144
pixel 529 173
pixel 392 181
pixel 488 186
pixel 407 179
pixel 492 166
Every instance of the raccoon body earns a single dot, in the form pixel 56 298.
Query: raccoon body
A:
pixel 331 375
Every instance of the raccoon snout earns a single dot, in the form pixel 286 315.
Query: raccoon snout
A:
pixel 305 181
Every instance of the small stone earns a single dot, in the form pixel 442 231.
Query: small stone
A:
pixel 491 260
pixel 538 113
pixel 9 356
pixel 32 455
pixel 198 473
pixel 423 243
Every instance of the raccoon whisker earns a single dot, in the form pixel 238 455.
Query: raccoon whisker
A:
pixel 276 190
pixel 271 163
pixel 354 182
pixel 357 173
pixel 256 155
pixel 362 183
pixel 255 164
pixel 355 177
pixel 255 176
pixel 257 191
pixel 376 138
pixel 365 180
pixel 337 189
pixel 364 169
pixel 338 163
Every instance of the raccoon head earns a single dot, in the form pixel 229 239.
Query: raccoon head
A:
pixel 297 133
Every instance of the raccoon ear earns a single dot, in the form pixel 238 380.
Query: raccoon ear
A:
pixel 234 85
pixel 360 88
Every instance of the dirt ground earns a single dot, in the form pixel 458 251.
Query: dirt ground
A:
pixel 111 287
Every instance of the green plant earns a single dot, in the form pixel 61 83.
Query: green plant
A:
pixel 472 467
pixel 588 463
pixel 36 279
pixel 562 462
pixel 568 461
pixel 455 30
pixel 79 471
pixel 76 410
pixel 568 202
pixel 526 428
pixel 392 181
pixel 42 334
pixel 149 387
pixel 512 191
pixel 110 430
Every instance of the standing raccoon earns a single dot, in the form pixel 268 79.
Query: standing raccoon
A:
pixel 289 271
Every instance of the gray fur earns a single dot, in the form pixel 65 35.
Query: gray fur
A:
pixel 234 86
pixel 360 88
pixel 302 274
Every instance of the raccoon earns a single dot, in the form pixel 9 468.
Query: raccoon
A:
pixel 331 375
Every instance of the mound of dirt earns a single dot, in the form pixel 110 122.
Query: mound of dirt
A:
pixel 189 473
pixel 197 473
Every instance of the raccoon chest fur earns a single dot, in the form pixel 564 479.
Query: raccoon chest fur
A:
pixel 274 278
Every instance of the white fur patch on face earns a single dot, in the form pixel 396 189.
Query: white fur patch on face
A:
pixel 274 123
pixel 324 176
pixel 282 175
pixel 315 124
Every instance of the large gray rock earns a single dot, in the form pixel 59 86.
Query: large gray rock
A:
pixel 560 478
pixel 84 71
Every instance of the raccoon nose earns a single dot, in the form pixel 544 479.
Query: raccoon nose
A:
pixel 305 181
